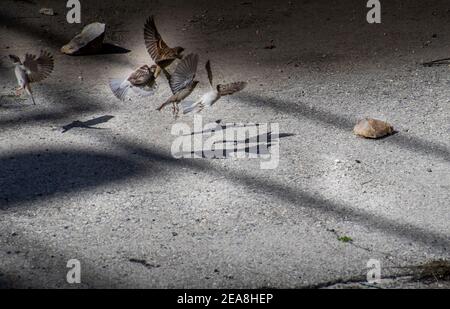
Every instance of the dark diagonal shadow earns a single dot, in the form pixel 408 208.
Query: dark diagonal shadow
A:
pixel 55 39
pixel 34 175
pixel 228 151
pixel 37 116
pixel 373 221
pixel 445 61
pixel 106 49
pixel 87 124
pixel 301 198
pixel 110 49
pixel 234 140
pixel 299 109
pixel 257 145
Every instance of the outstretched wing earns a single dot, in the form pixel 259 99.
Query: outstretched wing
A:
pixel 184 73
pixel 38 68
pixel 156 47
pixel 229 89
pixel 209 71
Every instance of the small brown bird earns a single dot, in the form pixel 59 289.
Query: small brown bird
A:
pixel 160 52
pixel 182 82
pixel 141 81
pixel 216 92
pixel 32 70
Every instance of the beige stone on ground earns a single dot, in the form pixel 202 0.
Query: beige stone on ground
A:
pixel 373 128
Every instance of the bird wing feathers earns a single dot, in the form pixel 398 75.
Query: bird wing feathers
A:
pixel 184 73
pixel 120 88
pixel 38 68
pixel 229 89
pixel 190 106
pixel 156 47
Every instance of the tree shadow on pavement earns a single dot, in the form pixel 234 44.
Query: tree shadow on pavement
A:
pixel 34 175
pixel 300 198
pixel 298 109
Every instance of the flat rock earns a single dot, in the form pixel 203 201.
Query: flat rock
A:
pixel 89 41
pixel 373 128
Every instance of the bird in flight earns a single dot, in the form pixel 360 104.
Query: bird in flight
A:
pixel 32 70
pixel 182 82
pixel 161 53
pixel 141 81
pixel 212 96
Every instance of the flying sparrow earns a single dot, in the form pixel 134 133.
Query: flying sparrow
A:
pixel 216 92
pixel 32 70
pixel 141 81
pixel 182 82
pixel 160 52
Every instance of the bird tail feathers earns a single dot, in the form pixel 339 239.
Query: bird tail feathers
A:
pixel 145 91
pixel 191 106
pixel 119 88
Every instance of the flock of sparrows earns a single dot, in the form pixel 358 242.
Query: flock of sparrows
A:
pixel 142 81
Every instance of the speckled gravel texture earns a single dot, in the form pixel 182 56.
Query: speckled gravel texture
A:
pixel 115 198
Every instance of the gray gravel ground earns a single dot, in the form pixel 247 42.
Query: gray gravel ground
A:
pixel 115 199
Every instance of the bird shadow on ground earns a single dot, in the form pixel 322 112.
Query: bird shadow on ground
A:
pixel 225 148
pixel 262 138
pixel 222 127
pixel 87 124
pixel 227 152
